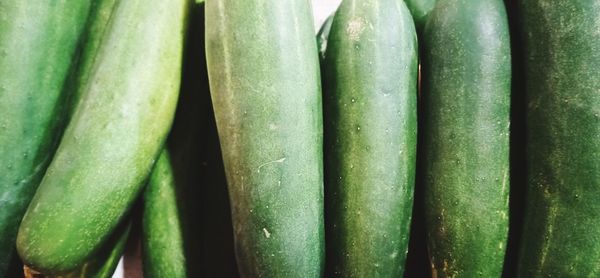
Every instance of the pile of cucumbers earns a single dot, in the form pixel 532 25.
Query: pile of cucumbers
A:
pixel 448 138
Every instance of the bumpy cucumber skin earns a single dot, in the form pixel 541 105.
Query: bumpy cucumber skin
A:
pixel 38 43
pixel 265 82
pixel 110 145
pixel 561 234
pixel 420 10
pixel 162 232
pixel 370 94
pixel 466 93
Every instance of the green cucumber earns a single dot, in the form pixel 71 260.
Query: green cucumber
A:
pixel 104 263
pixel 420 10
pixel 265 85
pixel 370 95
pixel 322 36
pixel 561 234
pixel 110 144
pixel 98 22
pixel 100 265
pixel 466 110
pixel 163 252
pixel 38 43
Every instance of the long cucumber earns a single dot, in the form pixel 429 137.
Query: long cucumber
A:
pixel 116 132
pixel 265 82
pixel 163 247
pixel 370 95
pixel 466 93
pixel 38 43
pixel 561 233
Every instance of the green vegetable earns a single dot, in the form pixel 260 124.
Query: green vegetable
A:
pixel 323 35
pixel 370 77
pixel 561 235
pixel 38 43
pixel 95 31
pixel 116 132
pixel 420 10
pixel 466 94
pixel 163 247
pixel 265 82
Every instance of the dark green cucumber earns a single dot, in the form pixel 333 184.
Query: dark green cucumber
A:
pixel 109 147
pixel 561 234
pixel 265 85
pixel 163 252
pixel 420 10
pixel 38 43
pixel 370 95
pixel 466 110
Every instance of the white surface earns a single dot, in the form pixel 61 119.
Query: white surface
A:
pixel 321 10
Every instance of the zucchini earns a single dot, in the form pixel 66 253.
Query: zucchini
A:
pixel 110 144
pixel 466 110
pixel 370 95
pixel 420 10
pixel 561 234
pixel 265 85
pixel 38 43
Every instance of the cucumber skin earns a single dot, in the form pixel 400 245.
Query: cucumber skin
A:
pixel 466 94
pixel 104 263
pixel 370 81
pixel 92 180
pixel 561 234
pixel 265 87
pixel 323 35
pixel 95 30
pixel 420 10
pixel 37 46
pixel 162 231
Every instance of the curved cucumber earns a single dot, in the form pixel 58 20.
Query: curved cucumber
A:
pixel 38 43
pixel 370 81
pixel 112 140
pixel 466 92
pixel 420 10
pixel 163 249
pixel 562 212
pixel 264 79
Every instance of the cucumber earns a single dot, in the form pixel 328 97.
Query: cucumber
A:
pixel 100 265
pixel 110 144
pixel 38 43
pixel 163 252
pixel 420 10
pixel 561 234
pixel 99 18
pixel 265 86
pixel 466 110
pixel 104 263
pixel 370 95
pixel 323 35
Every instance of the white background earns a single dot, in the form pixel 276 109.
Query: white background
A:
pixel 322 9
